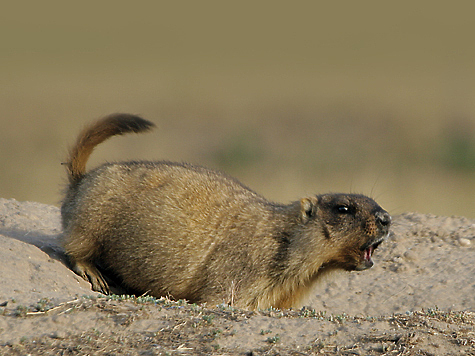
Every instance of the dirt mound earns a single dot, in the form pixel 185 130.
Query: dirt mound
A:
pixel 418 298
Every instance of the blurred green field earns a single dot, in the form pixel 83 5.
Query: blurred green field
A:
pixel 293 100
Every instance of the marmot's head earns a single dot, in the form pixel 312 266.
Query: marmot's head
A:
pixel 352 226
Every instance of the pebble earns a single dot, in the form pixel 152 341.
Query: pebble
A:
pixel 59 334
pixel 464 242
pixel 410 255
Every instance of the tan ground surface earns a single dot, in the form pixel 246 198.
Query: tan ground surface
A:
pixel 419 299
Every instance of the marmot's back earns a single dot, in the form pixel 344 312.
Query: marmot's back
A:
pixel 184 213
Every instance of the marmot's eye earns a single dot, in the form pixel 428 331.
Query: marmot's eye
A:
pixel 343 209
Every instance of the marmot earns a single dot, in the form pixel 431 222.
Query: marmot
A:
pixel 185 231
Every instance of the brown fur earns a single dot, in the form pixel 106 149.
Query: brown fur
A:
pixel 175 229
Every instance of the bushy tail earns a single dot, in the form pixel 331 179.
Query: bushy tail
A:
pixel 96 133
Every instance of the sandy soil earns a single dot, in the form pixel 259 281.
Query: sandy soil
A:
pixel 419 299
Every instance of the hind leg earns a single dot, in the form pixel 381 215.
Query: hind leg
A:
pixel 82 250
pixel 90 273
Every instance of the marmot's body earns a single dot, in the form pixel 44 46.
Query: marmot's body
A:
pixel 191 233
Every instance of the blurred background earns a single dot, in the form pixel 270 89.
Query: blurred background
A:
pixel 292 98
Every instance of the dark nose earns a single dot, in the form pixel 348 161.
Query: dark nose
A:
pixel 383 218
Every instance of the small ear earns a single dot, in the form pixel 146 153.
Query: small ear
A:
pixel 308 208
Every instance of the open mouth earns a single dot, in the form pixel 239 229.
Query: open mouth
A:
pixel 367 252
